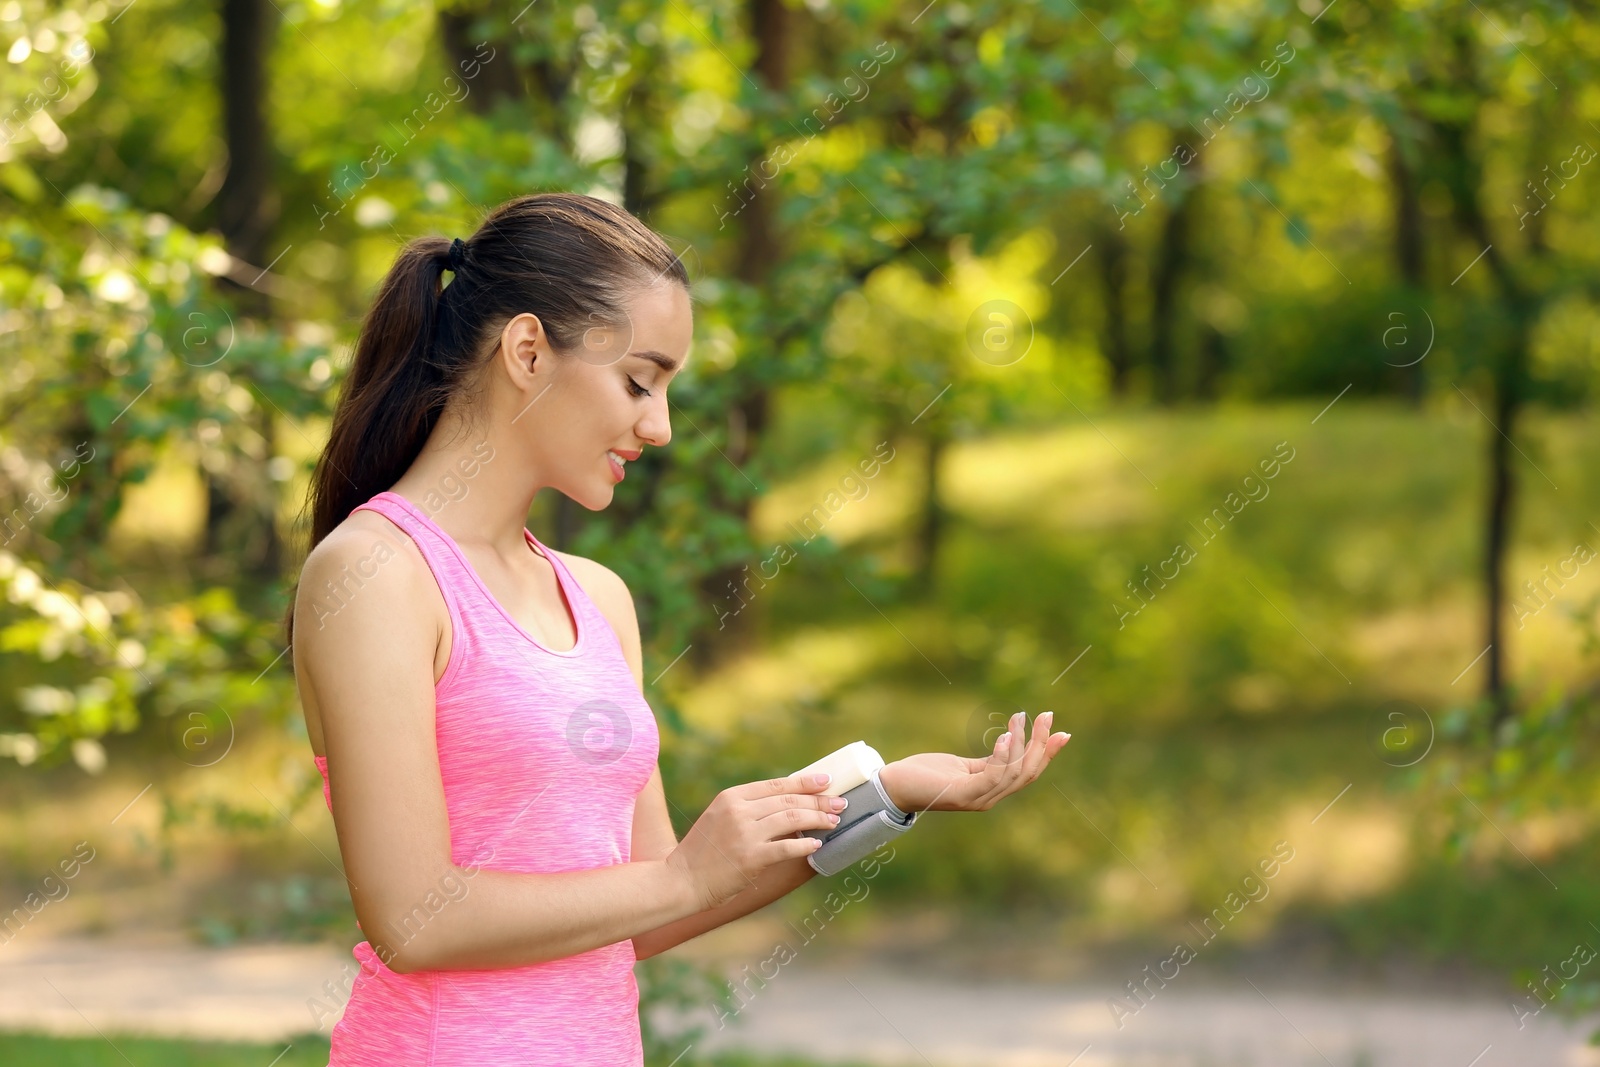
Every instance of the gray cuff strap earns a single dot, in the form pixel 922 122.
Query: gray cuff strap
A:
pixel 856 841
pixel 869 820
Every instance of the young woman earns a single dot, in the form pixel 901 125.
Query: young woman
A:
pixel 456 674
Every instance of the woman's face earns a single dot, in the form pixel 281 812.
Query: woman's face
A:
pixel 608 396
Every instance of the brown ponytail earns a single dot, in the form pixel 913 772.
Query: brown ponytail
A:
pixel 572 260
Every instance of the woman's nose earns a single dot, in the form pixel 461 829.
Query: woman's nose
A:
pixel 656 426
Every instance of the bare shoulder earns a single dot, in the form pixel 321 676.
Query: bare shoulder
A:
pixel 604 586
pixel 367 582
pixel 368 618
pixel 355 555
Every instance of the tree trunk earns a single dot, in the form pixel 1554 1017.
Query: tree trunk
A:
pixel 759 250
pixel 247 204
pixel 637 114
pixel 1172 263
pixel 247 209
pixel 930 528
pixel 1163 304
pixel 1497 538
pixel 1113 261
pixel 1408 243
pixel 1408 248
pixel 1212 362
pixel 494 78
pixel 267 558
pixel 1462 173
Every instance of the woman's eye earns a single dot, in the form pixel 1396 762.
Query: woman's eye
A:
pixel 636 389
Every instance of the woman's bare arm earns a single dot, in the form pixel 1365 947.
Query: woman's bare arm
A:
pixel 776 881
pixel 367 669
pixel 653 837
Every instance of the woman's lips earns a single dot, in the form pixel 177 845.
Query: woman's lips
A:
pixel 616 468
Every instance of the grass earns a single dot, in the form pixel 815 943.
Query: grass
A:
pixel 41 1050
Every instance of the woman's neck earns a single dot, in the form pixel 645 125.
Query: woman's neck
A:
pixel 468 480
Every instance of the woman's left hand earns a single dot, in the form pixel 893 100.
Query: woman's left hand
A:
pixel 943 781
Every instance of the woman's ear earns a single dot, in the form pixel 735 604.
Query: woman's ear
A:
pixel 522 342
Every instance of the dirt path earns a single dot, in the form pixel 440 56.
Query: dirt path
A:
pixel 888 1018
pixel 828 1012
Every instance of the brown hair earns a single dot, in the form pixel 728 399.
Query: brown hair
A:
pixel 570 259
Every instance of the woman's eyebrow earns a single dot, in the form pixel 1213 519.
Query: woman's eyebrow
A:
pixel 666 363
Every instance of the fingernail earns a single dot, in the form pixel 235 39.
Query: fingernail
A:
pixel 840 803
pixel 821 779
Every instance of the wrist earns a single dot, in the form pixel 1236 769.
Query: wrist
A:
pixel 681 888
pixel 878 820
pixel 889 778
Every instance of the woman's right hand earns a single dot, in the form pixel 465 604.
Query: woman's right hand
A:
pixel 748 828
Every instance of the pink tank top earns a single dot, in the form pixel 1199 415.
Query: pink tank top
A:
pixel 543 753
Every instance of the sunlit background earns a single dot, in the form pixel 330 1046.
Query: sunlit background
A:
pixel 1225 372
